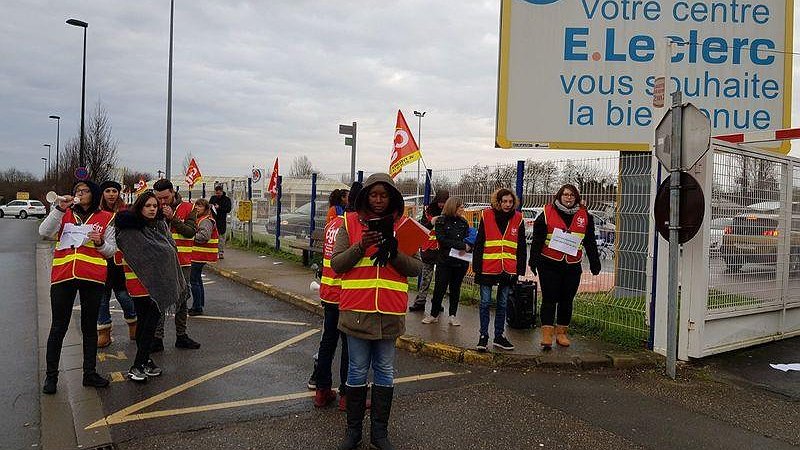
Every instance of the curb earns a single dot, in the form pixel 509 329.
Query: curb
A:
pixel 447 352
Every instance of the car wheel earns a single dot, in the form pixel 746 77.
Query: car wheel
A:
pixel 794 264
pixel 23 215
pixel 1 214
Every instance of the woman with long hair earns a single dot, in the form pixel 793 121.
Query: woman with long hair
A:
pixel 152 274
pixel 559 266
pixel 206 241
pixel 451 230
pixel 337 203
pixel 115 281
pixel 372 303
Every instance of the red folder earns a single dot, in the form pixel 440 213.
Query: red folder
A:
pixel 411 236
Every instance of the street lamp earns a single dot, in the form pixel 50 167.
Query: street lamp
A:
pixel 58 138
pixel 84 25
pixel 419 115
pixel 47 171
pixel 45 167
pixel 169 94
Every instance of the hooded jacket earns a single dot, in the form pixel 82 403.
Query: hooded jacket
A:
pixel 372 326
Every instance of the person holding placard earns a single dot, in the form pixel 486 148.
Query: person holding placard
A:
pixel 561 234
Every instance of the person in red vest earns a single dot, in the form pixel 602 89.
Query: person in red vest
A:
pixel 182 220
pixel 430 255
pixel 498 259
pixel 561 234
pixel 85 239
pixel 153 276
pixel 372 304
pixel 205 250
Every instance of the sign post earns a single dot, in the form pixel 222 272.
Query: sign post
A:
pixel 350 140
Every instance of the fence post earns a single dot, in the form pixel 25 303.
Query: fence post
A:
pixel 426 199
pixel 233 198
pixel 312 222
pixel 204 190
pixel 520 181
pixel 278 214
pixel 360 176
pixel 250 221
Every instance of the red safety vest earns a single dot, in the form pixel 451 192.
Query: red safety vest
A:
pixel 578 227
pixel 84 262
pixel 330 286
pixel 132 284
pixel 369 288
pixel 184 244
pixel 207 252
pixel 500 249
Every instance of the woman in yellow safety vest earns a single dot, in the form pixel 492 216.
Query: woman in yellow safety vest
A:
pixel 205 250
pixel 561 233
pixel 85 239
pixel 372 304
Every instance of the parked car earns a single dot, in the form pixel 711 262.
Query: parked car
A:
pixel 22 209
pixel 718 227
pixel 752 238
pixel 297 223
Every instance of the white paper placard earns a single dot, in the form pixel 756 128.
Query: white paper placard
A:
pixel 461 254
pixel 74 236
pixel 565 242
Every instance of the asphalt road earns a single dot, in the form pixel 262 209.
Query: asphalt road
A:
pixel 19 390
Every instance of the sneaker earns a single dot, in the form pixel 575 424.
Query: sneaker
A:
pixel 151 369
pixel 195 312
pixel 417 307
pixel 157 345
pixel 323 397
pixel 184 341
pixel 221 256
pixel 95 380
pixel 137 374
pixel 430 319
pixel 503 343
pixel 483 342
pixel 453 321
pixel 50 385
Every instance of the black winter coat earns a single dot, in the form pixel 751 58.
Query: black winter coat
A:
pixel 450 233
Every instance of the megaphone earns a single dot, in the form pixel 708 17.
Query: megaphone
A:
pixel 52 197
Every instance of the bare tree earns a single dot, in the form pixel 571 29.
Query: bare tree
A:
pixel 301 167
pixel 100 153
pixel 132 177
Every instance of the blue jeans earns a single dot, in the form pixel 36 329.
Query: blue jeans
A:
pixel 196 283
pixel 362 354
pixel 500 311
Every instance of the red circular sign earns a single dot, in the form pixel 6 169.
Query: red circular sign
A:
pixel 82 173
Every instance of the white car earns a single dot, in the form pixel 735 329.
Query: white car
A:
pixel 22 209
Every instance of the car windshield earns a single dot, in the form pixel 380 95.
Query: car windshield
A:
pixel 36 203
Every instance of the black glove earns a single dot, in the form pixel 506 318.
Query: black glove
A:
pixel 594 267
pixel 386 251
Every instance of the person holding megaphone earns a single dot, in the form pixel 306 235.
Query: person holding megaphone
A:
pixel 86 238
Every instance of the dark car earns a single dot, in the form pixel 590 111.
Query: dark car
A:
pixel 297 223
pixel 752 237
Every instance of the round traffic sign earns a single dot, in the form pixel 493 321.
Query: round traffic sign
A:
pixel 82 173
pixel 691 210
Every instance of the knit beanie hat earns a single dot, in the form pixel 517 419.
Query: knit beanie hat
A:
pixel 110 184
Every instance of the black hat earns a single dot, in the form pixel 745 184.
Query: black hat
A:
pixel 110 184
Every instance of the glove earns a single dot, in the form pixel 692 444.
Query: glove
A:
pixel 387 250
pixel 595 267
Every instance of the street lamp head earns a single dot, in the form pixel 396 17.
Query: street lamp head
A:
pixel 56 117
pixel 77 23
pixel 44 159
pixel 46 145
pixel 420 114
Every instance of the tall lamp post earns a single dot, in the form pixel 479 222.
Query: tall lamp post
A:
pixel 84 25
pixel 47 169
pixel 58 138
pixel 169 95
pixel 420 115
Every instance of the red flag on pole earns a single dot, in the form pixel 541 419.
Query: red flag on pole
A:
pixel 140 185
pixel 272 187
pixel 193 174
pixel 405 149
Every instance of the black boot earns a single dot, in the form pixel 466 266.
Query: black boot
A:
pixel 379 417
pixel 356 401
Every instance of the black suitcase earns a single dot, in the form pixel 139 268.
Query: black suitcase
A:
pixel 521 310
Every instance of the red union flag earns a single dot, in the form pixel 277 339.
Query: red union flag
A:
pixel 193 174
pixel 272 187
pixel 140 186
pixel 405 149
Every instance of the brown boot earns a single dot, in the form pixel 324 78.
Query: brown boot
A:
pixel 104 336
pixel 561 336
pixel 132 330
pixel 547 336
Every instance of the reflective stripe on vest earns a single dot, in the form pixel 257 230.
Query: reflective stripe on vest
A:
pixel 500 249
pixel 207 252
pixel 370 288
pixel 84 262
pixel 132 283
pixel 184 244
pixel 580 223
pixel 331 282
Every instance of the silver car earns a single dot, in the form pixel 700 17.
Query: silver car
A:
pixel 22 209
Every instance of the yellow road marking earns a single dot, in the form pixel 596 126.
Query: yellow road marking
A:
pixel 242 319
pixel 120 355
pixel 121 414
pixel 116 377
pixel 252 402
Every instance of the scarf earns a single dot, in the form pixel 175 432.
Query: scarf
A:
pixel 565 210
pixel 150 252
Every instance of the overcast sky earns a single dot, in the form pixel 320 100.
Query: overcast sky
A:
pixel 255 80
